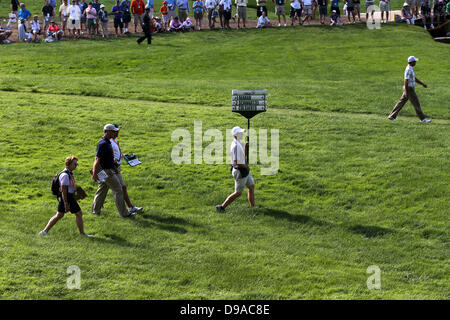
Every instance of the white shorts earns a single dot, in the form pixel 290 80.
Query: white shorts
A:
pixel 240 183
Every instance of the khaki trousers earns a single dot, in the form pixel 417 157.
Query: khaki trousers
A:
pixel 114 184
pixel 414 101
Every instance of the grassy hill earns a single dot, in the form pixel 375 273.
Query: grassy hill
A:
pixel 354 189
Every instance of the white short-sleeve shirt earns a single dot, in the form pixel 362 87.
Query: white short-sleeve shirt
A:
pixel 116 150
pixel 410 76
pixel 65 180
pixel 237 152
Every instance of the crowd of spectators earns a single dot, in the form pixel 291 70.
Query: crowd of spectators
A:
pixel 91 19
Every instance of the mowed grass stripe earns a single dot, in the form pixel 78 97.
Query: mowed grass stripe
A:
pixel 354 190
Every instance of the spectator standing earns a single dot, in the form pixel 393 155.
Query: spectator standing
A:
pixel 323 4
pixel 370 3
pixel 240 171
pixel 409 92
pixel 241 9
pixel 198 7
pixel 350 10
pixel 439 11
pixel 296 12
pixel 91 17
pixel 385 6
pixel 357 8
pixel 280 10
pixel 171 6
pixel 164 10
pixel 36 28
pixel 96 4
pixel 14 6
pixel 226 13
pixel 74 19
pixel 103 18
pixel 150 5
pixel 104 160
pixel 147 28
pixel 263 21
pixel 83 21
pixel 426 14
pixel 261 5
pixel 221 12
pixel 63 15
pixel 210 7
pixel 48 14
pixel 126 5
pixel 183 9
pixel 118 11
pixel 24 14
pixel 307 10
pixel 66 201
pixel 137 8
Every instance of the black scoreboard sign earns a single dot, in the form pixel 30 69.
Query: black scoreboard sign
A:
pixel 249 102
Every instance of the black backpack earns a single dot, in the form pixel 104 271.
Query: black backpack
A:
pixel 56 188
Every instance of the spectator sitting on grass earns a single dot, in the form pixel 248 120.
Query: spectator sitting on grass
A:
pixel 23 34
pixel 158 25
pixel 35 28
pixel 425 10
pixel 334 18
pixel 4 35
pixel 187 25
pixel 406 14
pixel 54 33
pixel 176 25
pixel 263 21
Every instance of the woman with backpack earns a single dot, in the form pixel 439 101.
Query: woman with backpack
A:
pixel 65 188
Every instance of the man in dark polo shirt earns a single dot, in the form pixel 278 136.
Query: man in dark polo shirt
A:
pixel 104 161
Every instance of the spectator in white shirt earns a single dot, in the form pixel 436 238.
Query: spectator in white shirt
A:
pixel 263 21
pixel 35 28
pixel 23 34
pixel 241 8
pixel 74 24
pixel 227 12
pixel 210 7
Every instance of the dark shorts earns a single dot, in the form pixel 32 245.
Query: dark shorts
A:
pixel 118 23
pixel 260 9
pixel 349 9
pixel 227 14
pixel 338 12
pixel 198 15
pixel 73 205
pixel 323 10
pixel 294 11
pixel 126 17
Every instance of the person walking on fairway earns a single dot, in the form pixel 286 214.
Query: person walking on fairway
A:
pixel 66 198
pixel 104 161
pixel 240 171
pixel 409 92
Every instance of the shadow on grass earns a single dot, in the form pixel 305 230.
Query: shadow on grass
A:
pixel 167 223
pixel 369 231
pixel 114 239
pixel 297 218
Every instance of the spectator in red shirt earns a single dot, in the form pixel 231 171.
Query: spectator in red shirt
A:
pixel 54 31
pixel 137 8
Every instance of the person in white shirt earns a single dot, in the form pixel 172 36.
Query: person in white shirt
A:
pixel 241 8
pixel 35 28
pixel 307 10
pixel 226 4
pixel 210 5
pixel 296 12
pixel 409 92
pixel 118 156
pixel 23 34
pixel 240 171
pixel 263 21
pixel 74 24
pixel 187 25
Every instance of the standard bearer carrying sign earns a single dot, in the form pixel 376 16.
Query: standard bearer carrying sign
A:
pixel 249 102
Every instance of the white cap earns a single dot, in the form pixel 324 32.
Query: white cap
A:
pixel 102 6
pixel 236 130
pixel 412 58
pixel 406 4
pixel 110 127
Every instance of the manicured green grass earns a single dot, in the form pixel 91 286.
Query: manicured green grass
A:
pixel 354 189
